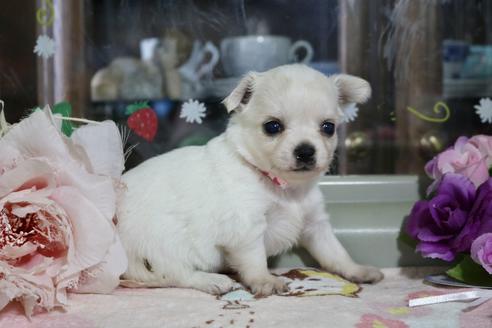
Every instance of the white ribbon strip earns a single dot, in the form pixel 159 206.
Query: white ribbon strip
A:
pixel 482 295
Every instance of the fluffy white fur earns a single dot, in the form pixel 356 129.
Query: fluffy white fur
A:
pixel 195 211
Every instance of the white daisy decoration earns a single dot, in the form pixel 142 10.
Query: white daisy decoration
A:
pixel 484 110
pixel 193 111
pixel 349 113
pixel 45 46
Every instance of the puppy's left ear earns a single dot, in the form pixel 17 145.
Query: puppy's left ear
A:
pixel 240 96
pixel 351 89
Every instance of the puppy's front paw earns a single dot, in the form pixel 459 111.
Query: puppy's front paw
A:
pixel 213 283
pixel 361 274
pixel 267 285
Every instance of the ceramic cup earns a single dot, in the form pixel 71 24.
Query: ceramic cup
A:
pixel 259 53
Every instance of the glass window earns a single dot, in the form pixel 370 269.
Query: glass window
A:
pixel 429 64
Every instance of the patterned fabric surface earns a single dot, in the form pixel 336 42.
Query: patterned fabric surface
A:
pixel 302 282
pixel 381 305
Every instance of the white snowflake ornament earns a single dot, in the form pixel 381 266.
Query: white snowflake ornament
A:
pixel 193 111
pixel 349 113
pixel 45 46
pixel 484 110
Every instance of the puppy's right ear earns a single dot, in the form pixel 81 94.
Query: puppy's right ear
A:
pixel 351 89
pixel 241 95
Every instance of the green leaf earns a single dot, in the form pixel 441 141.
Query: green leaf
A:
pixel 406 239
pixel 4 126
pixel 130 109
pixel 490 171
pixel 470 272
pixel 64 109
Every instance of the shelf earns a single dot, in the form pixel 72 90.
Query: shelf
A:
pixel 467 88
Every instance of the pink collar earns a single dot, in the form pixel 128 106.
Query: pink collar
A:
pixel 276 180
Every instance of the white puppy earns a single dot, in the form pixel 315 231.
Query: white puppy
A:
pixel 248 194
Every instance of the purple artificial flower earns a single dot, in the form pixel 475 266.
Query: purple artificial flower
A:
pixel 481 213
pixel 481 251
pixel 442 225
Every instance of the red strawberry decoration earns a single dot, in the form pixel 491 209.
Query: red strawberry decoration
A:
pixel 142 120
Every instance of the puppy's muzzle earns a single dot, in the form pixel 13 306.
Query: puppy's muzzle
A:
pixel 305 157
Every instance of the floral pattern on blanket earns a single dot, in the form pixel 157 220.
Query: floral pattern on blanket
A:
pixel 372 321
pixel 313 282
pixel 303 282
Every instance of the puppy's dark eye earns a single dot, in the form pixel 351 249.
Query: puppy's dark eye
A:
pixel 328 128
pixel 273 127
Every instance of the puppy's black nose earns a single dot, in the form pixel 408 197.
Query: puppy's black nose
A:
pixel 304 153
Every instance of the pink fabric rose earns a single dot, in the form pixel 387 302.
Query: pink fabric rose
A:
pixel 484 145
pixel 481 251
pixel 469 157
pixel 57 202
